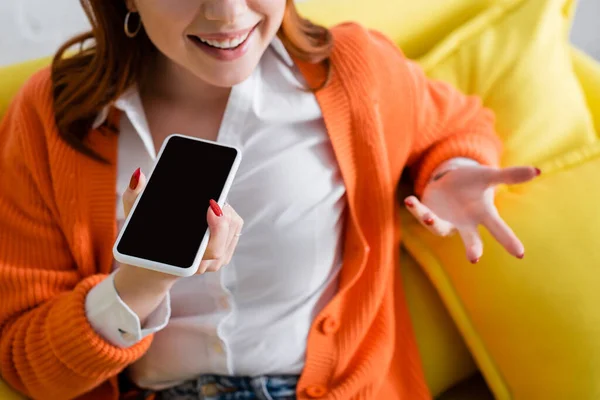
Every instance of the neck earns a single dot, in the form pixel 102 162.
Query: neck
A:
pixel 170 81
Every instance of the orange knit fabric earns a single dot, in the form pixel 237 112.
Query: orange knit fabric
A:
pixel 57 226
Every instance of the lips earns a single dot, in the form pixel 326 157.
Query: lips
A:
pixel 225 47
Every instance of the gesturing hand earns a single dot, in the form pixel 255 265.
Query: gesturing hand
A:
pixel 461 199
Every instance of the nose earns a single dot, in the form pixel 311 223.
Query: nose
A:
pixel 226 11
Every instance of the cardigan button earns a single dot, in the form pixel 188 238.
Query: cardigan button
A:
pixel 330 325
pixel 316 391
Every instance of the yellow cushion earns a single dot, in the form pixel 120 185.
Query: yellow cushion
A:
pixel 532 325
pixel 445 357
pixel 414 25
pixel 516 56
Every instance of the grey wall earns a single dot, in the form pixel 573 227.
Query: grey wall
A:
pixel 35 28
pixel 586 30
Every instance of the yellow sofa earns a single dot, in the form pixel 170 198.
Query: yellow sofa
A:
pixel 418 28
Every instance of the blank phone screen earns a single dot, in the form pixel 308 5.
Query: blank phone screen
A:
pixel 169 221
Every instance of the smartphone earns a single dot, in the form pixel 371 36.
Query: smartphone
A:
pixel 167 230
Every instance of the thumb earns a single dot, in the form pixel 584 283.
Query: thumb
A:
pixel 219 232
pixel 136 185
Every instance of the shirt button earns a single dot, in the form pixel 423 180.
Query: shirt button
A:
pixel 126 335
pixel 210 389
pixel 316 391
pixel 330 325
pixel 224 301
pixel 217 347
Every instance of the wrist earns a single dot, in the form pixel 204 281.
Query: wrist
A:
pixel 129 277
pixel 450 165
pixel 439 174
pixel 142 290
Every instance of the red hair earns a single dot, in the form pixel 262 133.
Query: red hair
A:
pixel 84 83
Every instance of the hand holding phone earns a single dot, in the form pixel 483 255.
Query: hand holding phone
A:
pixel 172 227
pixel 143 289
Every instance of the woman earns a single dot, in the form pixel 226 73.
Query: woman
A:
pixel 307 304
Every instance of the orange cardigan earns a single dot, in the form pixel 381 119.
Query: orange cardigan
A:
pixel 57 226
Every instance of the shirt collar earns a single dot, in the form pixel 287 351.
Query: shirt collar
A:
pixel 130 100
pixel 279 48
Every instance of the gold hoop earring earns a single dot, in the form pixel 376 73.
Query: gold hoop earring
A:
pixel 128 31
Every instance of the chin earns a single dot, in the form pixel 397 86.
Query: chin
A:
pixel 228 73
pixel 227 77
pixel 224 73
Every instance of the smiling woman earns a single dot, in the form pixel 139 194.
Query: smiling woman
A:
pixel 304 304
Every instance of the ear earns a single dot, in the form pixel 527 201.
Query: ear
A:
pixel 131 6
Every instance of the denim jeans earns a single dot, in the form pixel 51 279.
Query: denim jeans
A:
pixel 215 387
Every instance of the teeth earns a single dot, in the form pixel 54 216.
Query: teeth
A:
pixel 226 44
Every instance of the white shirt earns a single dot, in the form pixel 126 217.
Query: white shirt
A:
pixel 253 316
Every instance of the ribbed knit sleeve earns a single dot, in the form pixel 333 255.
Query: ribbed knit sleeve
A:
pixel 447 124
pixel 48 349
pixel 442 122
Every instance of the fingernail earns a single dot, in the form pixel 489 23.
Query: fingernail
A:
pixel 475 261
pixel 135 179
pixel 520 256
pixel 538 172
pixel 409 203
pixel 216 209
pixel 428 221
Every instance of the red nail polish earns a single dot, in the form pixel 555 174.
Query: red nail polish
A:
pixel 409 203
pixel 538 172
pixel 428 221
pixel 475 261
pixel 216 209
pixel 520 256
pixel 135 179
